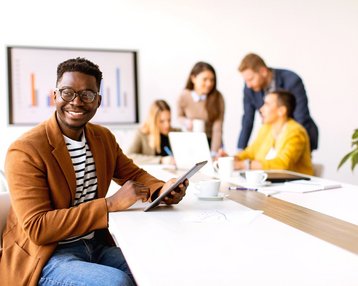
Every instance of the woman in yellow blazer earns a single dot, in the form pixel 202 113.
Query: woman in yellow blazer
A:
pixel 281 143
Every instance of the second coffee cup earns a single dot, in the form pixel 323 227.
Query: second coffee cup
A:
pixel 208 188
pixel 224 166
pixel 255 177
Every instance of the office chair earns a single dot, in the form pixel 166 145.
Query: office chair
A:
pixel 317 169
pixel 4 203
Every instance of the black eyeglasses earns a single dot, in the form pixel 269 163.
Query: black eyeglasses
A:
pixel 68 94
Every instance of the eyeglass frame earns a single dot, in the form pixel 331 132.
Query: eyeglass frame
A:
pixel 77 93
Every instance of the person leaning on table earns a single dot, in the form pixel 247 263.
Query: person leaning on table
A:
pixel 58 175
pixel 260 80
pixel 281 143
pixel 151 143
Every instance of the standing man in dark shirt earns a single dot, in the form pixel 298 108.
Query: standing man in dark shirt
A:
pixel 259 80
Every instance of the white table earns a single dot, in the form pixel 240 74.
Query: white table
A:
pixel 340 203
pixel 165 247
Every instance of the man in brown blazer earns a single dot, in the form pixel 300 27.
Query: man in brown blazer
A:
pixel 58 175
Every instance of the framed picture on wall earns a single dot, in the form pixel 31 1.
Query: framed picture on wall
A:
pixel 32 81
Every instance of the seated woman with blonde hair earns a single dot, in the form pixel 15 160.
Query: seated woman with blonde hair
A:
pixel 151 143
pixel 282 143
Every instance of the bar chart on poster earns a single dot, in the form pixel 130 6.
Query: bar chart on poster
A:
pixel 32 81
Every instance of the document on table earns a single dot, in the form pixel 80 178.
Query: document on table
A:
pixel 299 186
pixel 242 217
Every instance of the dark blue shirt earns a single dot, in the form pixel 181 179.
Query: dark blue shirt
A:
pixel 284 79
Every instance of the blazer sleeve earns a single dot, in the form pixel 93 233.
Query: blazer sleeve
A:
pixel 138 151
pixel 217 128
pixel 43 203
pixel 247 122
pixel 137 145
pixel 181 105
pixel 294 84
pixel 42 195
pixel 290 151
pixel 250 151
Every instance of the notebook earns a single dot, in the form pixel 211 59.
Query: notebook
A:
pixel 299 186
pixel 189 148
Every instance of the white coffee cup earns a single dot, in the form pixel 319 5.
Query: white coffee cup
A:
pixel 198 125
pixel 208 188
pixel 224 166
pixel 255 177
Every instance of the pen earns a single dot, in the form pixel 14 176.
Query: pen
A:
pixel 167 150
pixel 242 189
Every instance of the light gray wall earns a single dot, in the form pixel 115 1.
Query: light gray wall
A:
pixel 317 39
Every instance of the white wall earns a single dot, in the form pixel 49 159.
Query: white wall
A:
pixel 317 39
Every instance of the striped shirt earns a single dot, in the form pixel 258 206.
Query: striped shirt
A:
pixel 86 178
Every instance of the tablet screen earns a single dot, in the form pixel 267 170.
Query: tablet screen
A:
pixel 181 179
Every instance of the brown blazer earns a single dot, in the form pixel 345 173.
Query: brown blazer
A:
pixel 42 184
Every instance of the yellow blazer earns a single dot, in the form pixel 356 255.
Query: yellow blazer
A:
pixel 42 184
pixel 292 148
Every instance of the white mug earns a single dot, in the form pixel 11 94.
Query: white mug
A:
pixel 208 188
pixel 256 177
pixel 224 166
pixel 198 125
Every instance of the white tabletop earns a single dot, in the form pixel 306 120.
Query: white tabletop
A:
pixel 340 202
pixel 166 247
pixel 224 243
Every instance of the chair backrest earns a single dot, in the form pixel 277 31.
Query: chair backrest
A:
pixel 4 202
pixel 3 183
pixel 4 210
pixel 318 169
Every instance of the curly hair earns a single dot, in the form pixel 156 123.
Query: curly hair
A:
pixel 81 65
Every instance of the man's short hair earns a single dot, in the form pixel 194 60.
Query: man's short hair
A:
pixel 253 62
pixel 81 65
pixel 287 99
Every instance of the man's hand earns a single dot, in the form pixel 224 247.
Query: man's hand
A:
pixel 127 195
pixel 221 153
pixel 177 194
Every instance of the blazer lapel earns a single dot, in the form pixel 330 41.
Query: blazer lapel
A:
pixel 96 144
pixel 60 153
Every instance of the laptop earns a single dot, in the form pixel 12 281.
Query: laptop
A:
pixel 189 148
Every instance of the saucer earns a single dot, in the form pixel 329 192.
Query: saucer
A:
pixel 219 197
pixel 248 185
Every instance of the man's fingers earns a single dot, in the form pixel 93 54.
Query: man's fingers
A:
pixel 143 193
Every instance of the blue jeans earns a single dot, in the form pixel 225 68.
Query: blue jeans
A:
pixel 86 262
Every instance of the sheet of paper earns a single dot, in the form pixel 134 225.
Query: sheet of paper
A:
pixel 299 186
pixel 242 217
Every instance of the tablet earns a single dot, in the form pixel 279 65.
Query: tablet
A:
pixel 187 175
